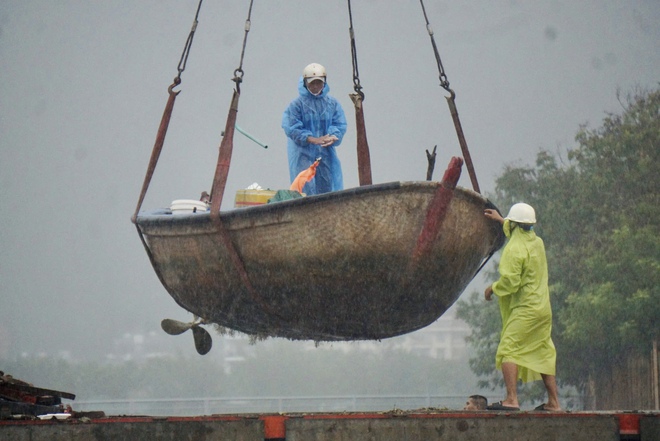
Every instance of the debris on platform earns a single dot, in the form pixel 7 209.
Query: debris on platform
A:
pixel 19 399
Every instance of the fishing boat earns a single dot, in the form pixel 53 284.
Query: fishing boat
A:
pixel 391 257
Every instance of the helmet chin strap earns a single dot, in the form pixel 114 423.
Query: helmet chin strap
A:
pixel 315 94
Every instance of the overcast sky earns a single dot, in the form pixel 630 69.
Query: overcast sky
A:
pixel 84 84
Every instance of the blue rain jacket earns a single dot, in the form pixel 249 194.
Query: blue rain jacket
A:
pixel 316 116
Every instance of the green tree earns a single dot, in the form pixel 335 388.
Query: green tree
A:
pixel 597 211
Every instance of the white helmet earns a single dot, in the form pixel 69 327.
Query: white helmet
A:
pixel 522 213
pixel 313 72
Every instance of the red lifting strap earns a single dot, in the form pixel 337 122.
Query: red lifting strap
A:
pixel 364 159
pixel 158 146
pixel 217 192
pixel 437 210
pixel 224 157
pixel 461 140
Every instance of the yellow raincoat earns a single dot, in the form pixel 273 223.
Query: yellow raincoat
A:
pixel 524 299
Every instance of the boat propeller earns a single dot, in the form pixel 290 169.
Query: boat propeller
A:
pixel 203 341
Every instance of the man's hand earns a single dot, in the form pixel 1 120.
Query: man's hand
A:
pixel 329 140
pixel 323 141
pixel 493 215
pixel 489 293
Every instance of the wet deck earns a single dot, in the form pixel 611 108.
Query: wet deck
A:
pixel 389 426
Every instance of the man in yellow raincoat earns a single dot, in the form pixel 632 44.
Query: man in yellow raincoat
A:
pixel 526 351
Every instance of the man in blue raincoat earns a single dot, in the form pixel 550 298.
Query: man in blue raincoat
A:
pixel 315 124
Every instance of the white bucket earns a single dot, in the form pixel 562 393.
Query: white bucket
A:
pixel 187 206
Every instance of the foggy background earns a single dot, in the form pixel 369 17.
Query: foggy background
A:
pixel 84 85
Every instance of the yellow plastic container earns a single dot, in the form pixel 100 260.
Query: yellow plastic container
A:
pixel 249 198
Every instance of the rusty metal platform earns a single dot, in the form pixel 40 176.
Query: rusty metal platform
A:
pixel 386 426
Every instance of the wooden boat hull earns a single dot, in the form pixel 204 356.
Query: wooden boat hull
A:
pixel 329 267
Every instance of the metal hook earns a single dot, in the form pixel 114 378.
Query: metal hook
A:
pixel 177 81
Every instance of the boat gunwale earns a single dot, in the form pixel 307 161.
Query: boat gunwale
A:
pixel 164 216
